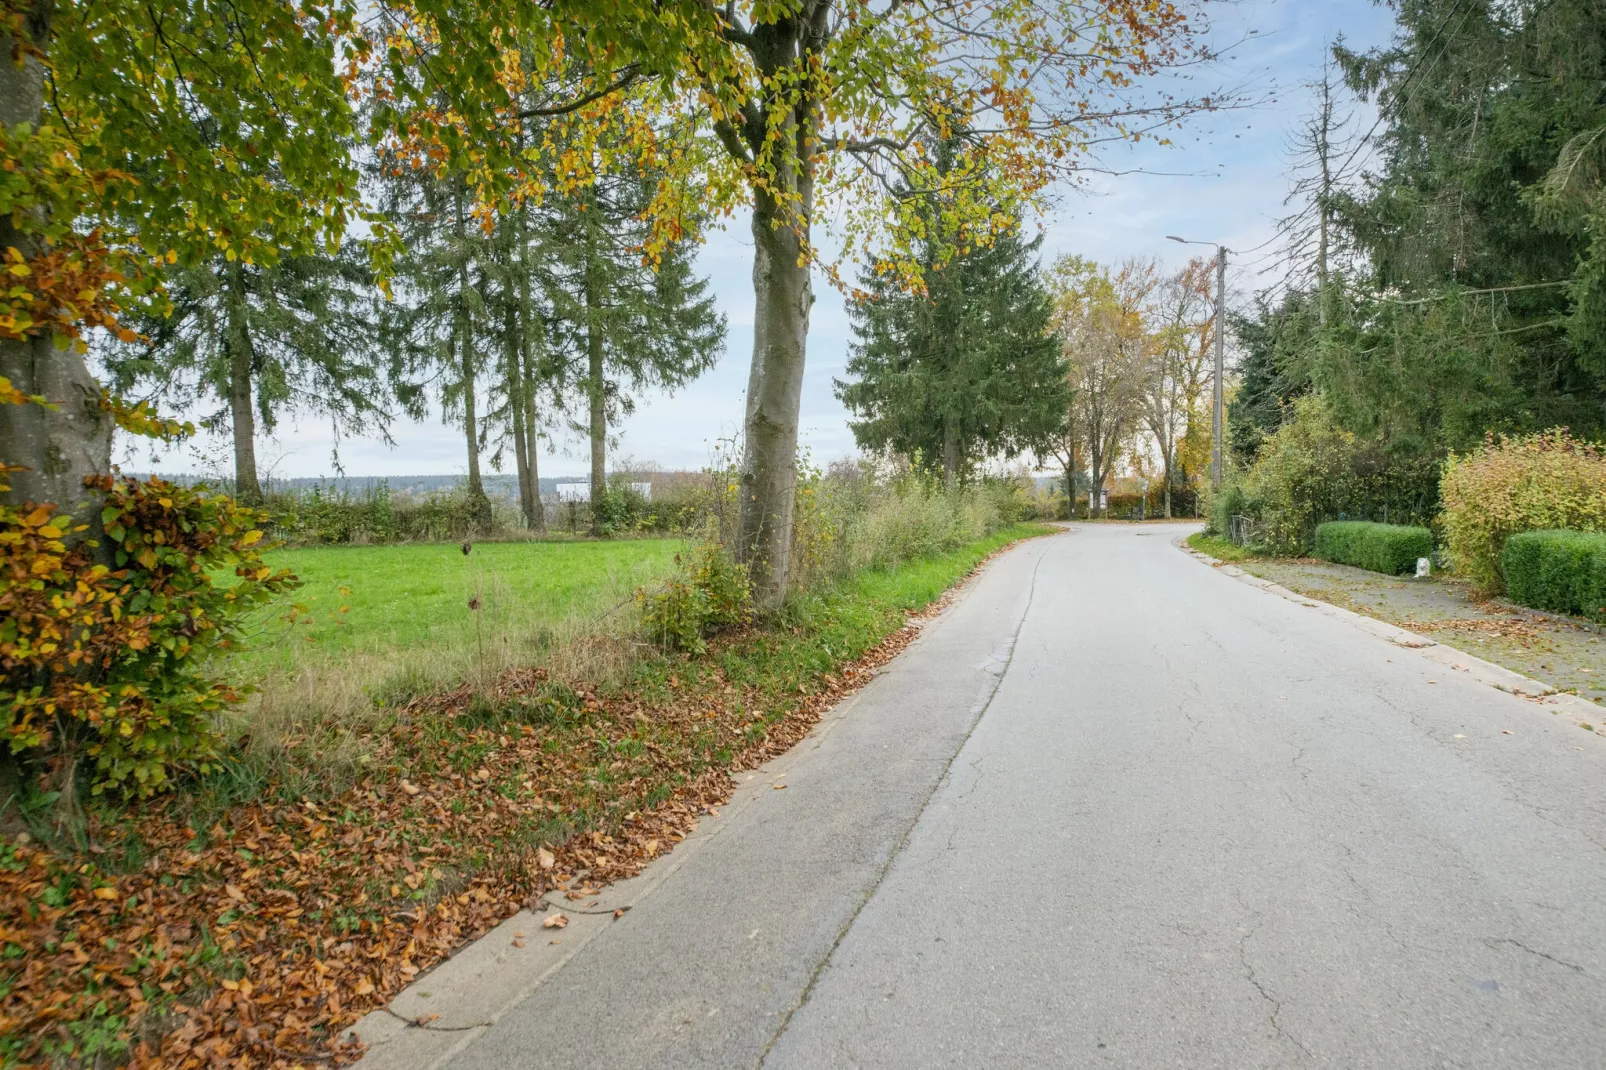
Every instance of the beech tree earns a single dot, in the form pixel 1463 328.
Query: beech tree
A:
pixel 175 133
pixel 781 108
pixel 778 108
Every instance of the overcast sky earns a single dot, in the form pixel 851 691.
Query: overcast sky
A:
pixel 1224 180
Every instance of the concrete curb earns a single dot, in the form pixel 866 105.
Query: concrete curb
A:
pixel 1484 672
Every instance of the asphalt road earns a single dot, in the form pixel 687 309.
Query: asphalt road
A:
pixel 1117 809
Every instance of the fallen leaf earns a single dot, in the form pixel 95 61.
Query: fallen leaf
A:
pixel 555 921
pixel 409 787
pixel 107 892
pixel 364 987
pixel 518 942
pixel 777 787
pixel 1505 731
pixel 544 859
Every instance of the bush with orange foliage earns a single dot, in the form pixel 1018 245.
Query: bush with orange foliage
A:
pixel 1514 484
pixel 106 634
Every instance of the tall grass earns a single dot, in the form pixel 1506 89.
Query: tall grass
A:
pixel 374 628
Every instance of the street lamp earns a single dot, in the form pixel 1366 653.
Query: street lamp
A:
pixel 1221 335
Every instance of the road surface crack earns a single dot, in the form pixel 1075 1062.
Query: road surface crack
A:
pixel 1493 942
pixel 1265 994
pixel 903 841
pixel 423 1022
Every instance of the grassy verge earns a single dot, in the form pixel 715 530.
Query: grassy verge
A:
pixel 372 627
pixel 1219 548
pixel 259 935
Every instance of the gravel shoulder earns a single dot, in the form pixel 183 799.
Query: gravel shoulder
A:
pixel 1568 655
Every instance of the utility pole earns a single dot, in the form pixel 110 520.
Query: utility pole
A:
pixel 1216 417
pixel 1221 347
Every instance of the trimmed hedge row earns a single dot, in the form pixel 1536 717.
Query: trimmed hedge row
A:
pixel 1563 571
pixel 1390 548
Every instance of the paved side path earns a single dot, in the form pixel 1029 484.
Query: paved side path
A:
pixel 1116 809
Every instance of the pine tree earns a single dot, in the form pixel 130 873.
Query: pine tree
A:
pixel 967 370
pixel 265 342
pixel 619 322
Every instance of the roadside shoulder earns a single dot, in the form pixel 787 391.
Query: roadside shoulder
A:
pixel 1478 669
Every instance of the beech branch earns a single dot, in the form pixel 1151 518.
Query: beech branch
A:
pixel 628 76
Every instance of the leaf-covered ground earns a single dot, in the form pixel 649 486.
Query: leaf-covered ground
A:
pixel 256 940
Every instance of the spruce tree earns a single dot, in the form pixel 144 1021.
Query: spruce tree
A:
pixel 966 370
pixel 435 324
pixel 265 342
pixel 618 321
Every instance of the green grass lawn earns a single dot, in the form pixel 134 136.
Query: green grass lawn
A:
pixel 368 600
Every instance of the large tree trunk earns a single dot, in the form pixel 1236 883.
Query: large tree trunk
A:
pixel 518 411
pixel 458 355
pixel 1070 477
pixel 537 516
pixel 782 299
pixel 1096 474
pixel 59 447
pixel 1165 459
pixel 517 388
pixel 534 511
pixel 471 434
pixel 241 411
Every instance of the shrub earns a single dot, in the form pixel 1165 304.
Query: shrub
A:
pixel 1388 548
pixel 1230 501
pixel 910 519
pixel 709 593
pixel 1564 571
pixel 104 642
pixel 1313 470
pixel 1533 482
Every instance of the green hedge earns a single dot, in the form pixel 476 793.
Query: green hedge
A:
pixel 1390 548
pixel 1564 571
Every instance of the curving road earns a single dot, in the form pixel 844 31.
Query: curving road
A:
pixel 1115 809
